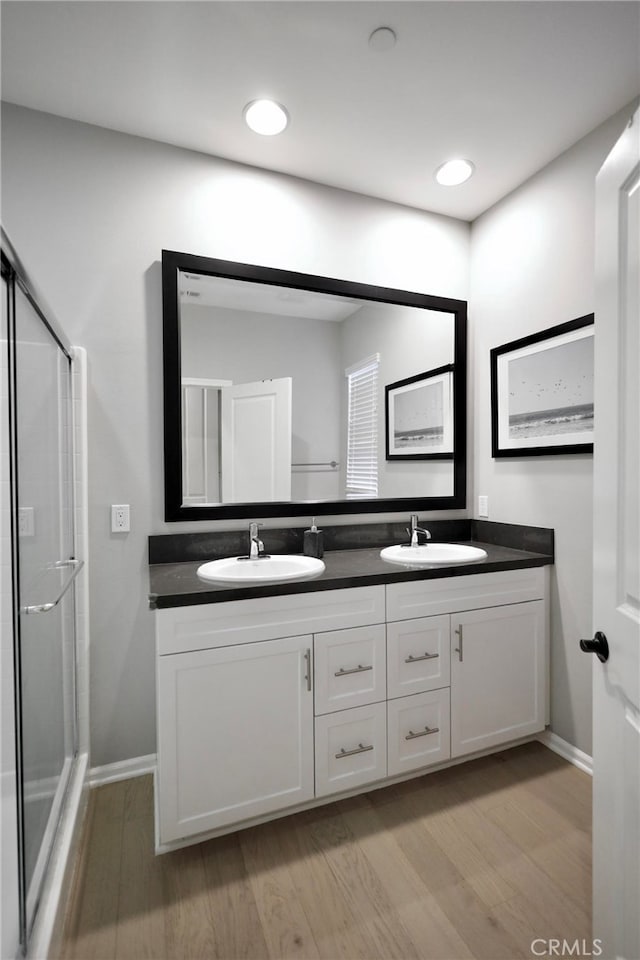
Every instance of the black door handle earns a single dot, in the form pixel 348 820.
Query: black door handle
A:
pixel 598 645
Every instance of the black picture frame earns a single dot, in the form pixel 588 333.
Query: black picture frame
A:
pixel 422 433
pixel 542 392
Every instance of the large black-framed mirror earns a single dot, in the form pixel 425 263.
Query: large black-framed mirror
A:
pixel 274 394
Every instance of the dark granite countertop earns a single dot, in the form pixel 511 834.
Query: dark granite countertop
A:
pixel 177 584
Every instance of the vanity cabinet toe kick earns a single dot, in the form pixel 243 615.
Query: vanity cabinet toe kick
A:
pixel 267 706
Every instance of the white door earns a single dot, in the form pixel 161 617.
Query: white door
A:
pixel 256 441
pixel 616 566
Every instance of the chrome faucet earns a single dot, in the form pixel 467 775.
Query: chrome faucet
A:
pixel 256 546
pixel 415 530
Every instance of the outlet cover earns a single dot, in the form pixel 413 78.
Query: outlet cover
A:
pixel 120 522
pixel 483 506
pixel 26 522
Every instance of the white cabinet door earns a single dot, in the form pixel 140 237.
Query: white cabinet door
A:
pixel 417 655
pixel 497 675
pixel 418 731
pixel 350 668
pixel 235 734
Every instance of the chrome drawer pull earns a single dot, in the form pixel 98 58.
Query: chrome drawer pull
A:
pixel 458 649
pixel 426 656
pixel 359 669
pixel 307 676
pixel 350 753
pixel 423 733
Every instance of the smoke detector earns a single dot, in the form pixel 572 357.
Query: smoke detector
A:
pixel 382 39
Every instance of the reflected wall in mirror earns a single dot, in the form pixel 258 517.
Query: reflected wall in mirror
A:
pixel 274 393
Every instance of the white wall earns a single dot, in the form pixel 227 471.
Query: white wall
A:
pixel 531 268
pixel 234 345
pixel 410 341
pixel 89 211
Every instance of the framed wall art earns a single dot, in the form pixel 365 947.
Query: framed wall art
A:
pixel 419 416
pixel 542 392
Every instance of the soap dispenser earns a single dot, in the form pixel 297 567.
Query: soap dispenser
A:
pixel 313 541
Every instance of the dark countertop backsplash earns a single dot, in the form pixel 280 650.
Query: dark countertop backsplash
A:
pixel 352 557
pixel 175 547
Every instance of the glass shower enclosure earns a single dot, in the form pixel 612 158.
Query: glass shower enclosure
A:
pixel 44 567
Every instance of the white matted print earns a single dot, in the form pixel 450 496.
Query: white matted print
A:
pixel 542 392
pixel 419 416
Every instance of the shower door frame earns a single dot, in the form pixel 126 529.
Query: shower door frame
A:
pixel 15 273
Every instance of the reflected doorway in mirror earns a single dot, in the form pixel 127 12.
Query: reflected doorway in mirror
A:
pixel 201 440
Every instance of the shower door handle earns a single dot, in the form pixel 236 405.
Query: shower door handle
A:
pixel 77 566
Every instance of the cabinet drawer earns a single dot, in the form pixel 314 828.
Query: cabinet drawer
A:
pixel 417 655
pixel 351 748
pixel 418 731
pixel 350 668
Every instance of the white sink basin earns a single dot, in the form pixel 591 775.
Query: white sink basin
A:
pixel 431 553
pixel 239 570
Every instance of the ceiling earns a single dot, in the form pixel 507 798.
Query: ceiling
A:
pixel 508 84
pixel 199 289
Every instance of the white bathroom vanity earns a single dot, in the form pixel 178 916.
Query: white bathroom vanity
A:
pixel 272 704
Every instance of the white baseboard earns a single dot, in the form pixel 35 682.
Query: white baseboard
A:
pixel 122 770
pixel 567 750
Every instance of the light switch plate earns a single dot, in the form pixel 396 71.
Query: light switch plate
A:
pixel 483 506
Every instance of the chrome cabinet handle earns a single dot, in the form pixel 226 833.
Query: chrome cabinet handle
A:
pixel 422 733
pixel 425 656
pixel 458 649
pixel 307 660
pixel 350 753
pixel 77 566
pixel 359 669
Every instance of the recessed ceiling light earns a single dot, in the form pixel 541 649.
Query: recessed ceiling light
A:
pixel 266 117
pixel 454 172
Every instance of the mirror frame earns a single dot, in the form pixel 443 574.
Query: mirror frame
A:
pixel 172 263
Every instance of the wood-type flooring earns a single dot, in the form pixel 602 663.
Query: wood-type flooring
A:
pixel 478 861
